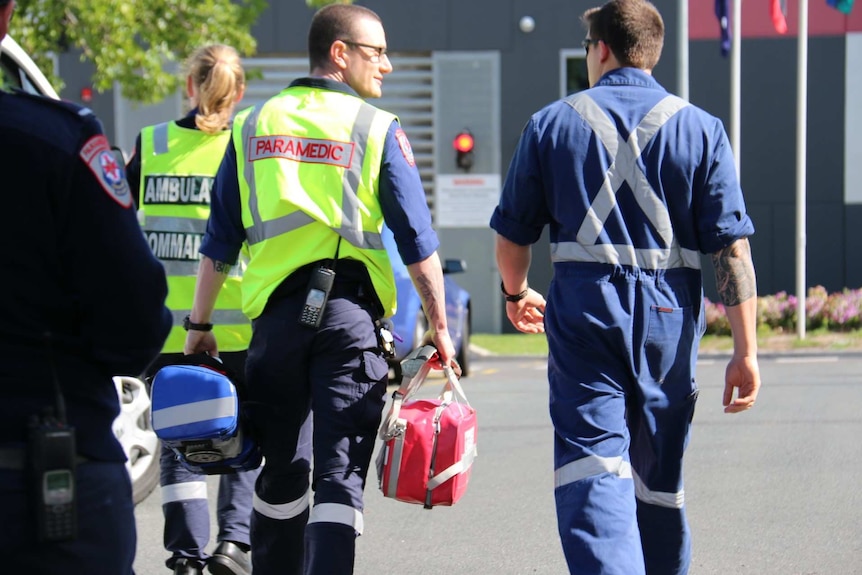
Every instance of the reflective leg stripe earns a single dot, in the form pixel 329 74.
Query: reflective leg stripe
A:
pixel 184 491
pixel 280 511
pixel 591 466
pixel 659 498
pixel 337 513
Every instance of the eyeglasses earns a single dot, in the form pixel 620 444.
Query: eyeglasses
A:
pixel 587 42
pixel 380 52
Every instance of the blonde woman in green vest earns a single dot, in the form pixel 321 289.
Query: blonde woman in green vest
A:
pixel 173 168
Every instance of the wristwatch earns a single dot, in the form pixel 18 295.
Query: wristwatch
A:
pixel 514 297
pixel 188 324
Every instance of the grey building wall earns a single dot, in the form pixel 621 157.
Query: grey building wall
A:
pixel 530 79
pixel 768 161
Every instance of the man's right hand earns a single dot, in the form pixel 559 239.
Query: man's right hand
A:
pixel 200 342
pixel 528 314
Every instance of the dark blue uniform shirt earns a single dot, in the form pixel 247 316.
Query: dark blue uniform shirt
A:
pixel 80 270
pixel 401 197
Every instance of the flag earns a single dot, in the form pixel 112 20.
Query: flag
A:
pixel 722 12
pixel 843 5
pixel 778 11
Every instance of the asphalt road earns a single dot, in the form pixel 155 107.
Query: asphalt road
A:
pixel 774 491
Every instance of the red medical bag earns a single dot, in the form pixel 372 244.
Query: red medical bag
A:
pixel 428 444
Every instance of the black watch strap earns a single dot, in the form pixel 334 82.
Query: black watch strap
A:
pixel 514 297
pixel 188 324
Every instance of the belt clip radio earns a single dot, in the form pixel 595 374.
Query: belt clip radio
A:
pixel 317 292
pixel 51 457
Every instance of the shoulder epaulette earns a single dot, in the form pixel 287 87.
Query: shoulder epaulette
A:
pixel 70 107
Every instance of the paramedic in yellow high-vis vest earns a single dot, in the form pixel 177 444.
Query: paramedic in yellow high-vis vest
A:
pixel 306 183
pixel 174 167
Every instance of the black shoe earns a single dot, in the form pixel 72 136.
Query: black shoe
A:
pixel 229 559
pixel 187 567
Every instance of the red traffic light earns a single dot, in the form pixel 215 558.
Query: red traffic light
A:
pixel 463 142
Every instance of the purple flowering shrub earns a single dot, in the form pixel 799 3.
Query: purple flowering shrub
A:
pixel 840 311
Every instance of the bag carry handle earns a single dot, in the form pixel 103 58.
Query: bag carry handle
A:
pixel 414 369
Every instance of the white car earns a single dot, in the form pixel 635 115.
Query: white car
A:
pixel 133 427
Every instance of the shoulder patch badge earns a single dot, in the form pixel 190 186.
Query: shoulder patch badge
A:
pixel 406 149
pixel 98 156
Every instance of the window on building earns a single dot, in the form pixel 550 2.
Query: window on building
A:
pixel 573 71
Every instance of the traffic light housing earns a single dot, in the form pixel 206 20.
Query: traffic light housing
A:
pixel 464 144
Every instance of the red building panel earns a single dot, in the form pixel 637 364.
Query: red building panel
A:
pixel 823 20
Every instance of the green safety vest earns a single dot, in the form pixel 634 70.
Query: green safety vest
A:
pixel 178 166
pixel 292 152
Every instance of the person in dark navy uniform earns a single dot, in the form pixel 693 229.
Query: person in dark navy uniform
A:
pixel 635 185
pixel 306 184
pixel 86 302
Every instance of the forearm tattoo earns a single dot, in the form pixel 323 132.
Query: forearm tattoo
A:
pixel 734 273
pixel 429 295
pixel 221 267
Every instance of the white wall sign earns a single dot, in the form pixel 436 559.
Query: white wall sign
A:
pixel 465 200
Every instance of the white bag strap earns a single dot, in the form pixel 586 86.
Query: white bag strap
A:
pixel 414 370
pixel 462 465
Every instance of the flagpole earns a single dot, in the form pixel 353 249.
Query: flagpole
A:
pixel 801 166
pixel 735 85
pixel 682 49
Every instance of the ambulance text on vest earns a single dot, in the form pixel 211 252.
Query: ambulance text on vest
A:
pixel 178 190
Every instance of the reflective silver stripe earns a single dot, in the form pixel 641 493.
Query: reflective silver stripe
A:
pixel 160 139
pixel 337 513
pixel 280 511
pixel 184 491
pixel 190 268
pixel 659 498
pixel 249 129
pixel 591 466
pixel 351 222
pixel 271 228
pixel 625 255
pixel 174 224
pixel 624 168
pixel 351 225
pixel 219 316
pixel 194 412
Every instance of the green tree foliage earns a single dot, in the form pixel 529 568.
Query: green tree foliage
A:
pixel 133 42
pixel 321 3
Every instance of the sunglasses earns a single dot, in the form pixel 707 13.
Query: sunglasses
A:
pixel 379 51
pixel 587 42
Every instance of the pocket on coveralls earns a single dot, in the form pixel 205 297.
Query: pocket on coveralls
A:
pixel 665 342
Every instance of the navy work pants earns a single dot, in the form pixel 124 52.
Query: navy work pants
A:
pixel 106 525
pixel 622 353
pixel 184 493
pixel 338 374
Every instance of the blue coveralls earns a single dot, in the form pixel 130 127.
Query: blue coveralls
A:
pixel 336 373
pixel 634 184
pixel 184 493
pixel 83 274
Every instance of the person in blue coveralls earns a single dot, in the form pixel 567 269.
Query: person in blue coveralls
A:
pixel 634 184
pixel 172 173
pixel 306 184
pixel 82 275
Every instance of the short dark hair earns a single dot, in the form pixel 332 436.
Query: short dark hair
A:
pixel 632 29
pixel 4 2
pixel 331 23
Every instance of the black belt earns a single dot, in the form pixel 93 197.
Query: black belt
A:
pixel 15 459
pixel 351 279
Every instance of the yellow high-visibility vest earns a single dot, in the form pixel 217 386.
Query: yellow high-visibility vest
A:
pixel 308 164
pixel 178 166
